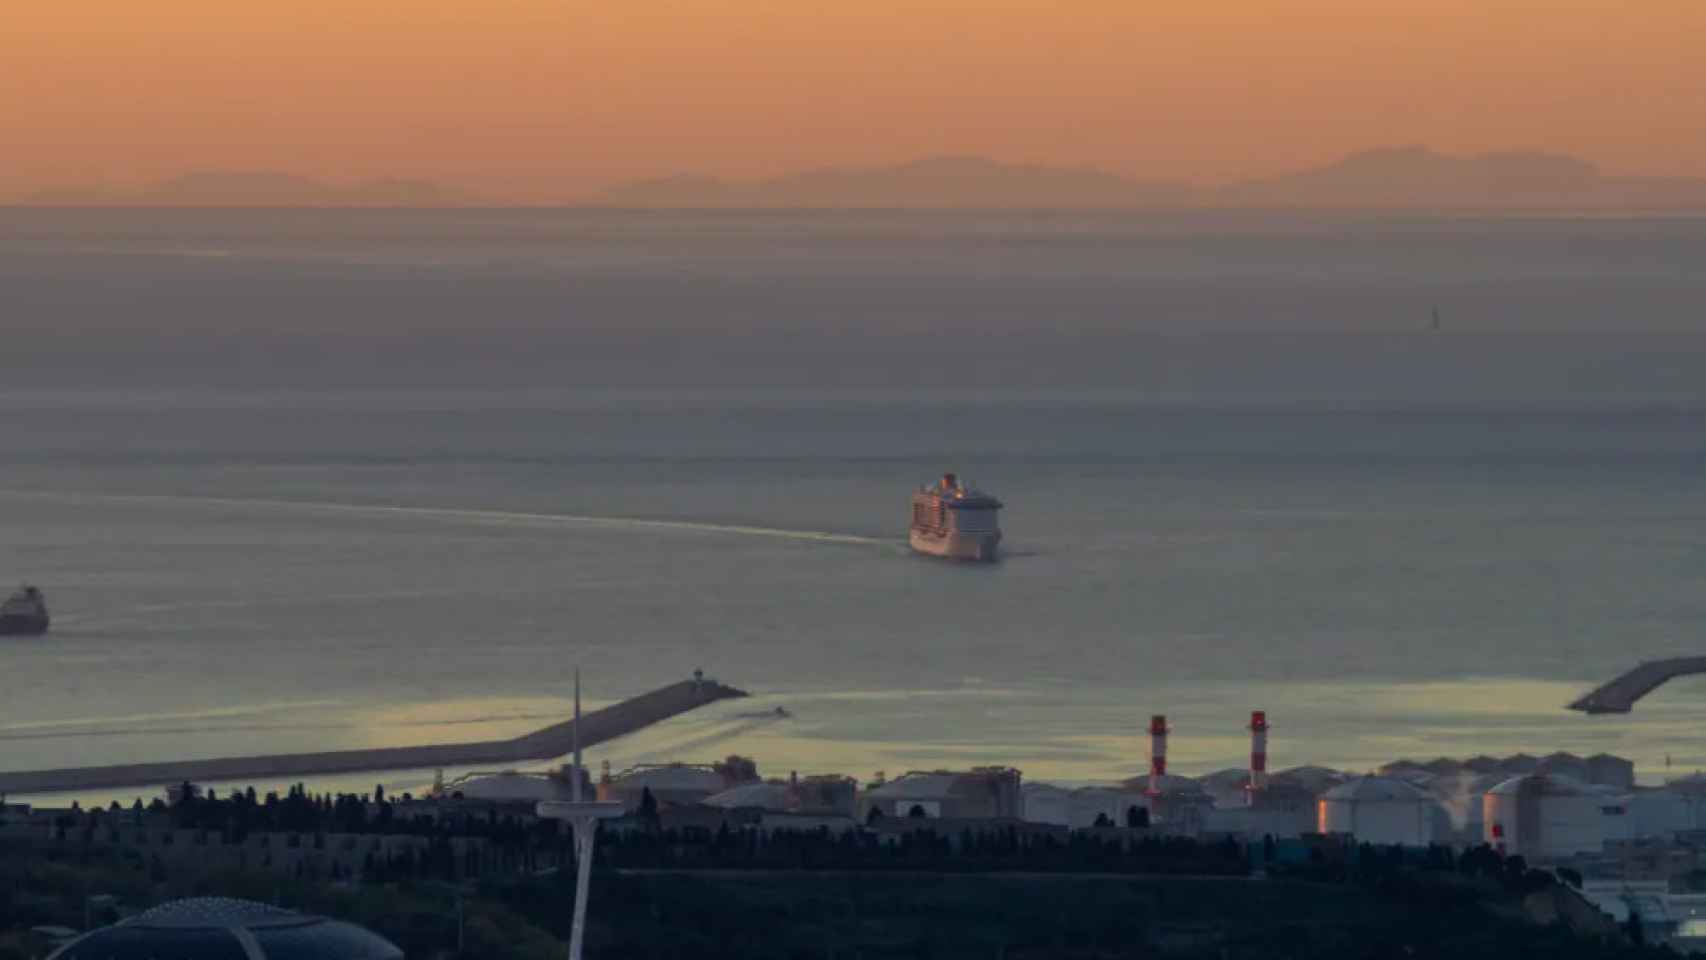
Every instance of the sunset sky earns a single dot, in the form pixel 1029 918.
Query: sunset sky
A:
pixel 551 99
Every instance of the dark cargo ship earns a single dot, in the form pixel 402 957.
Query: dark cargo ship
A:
pixel 24 614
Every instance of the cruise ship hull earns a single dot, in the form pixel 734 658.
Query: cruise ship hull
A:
pixel 14 625
pixel 982 547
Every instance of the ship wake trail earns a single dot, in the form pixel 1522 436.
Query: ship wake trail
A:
pixel 501 518
pixel 725 730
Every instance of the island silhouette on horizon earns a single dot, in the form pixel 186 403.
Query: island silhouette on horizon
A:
pixel 1407 178
pixel 1399 178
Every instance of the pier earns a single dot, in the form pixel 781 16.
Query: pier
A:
pixel 597 727
pixel 1619 695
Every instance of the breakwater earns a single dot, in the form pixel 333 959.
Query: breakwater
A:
pixel 1619 695
pixel 557 740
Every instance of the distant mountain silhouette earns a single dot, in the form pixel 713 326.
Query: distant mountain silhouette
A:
pixel 1418 177
pixel 226 188
pixel 935 182
pixel 1387 178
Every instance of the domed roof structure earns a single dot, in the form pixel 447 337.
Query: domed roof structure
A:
pixel 1416 776
pixel 1234 778
pixel 1171 786
pixel 1377 790
pixel 213 928
pixel 1382 811
pixel 674 776
pixel 1544 784
pixel 764 796
pixel 1545 816
pixel 511 786
pixel 916 785
pixel 1314 779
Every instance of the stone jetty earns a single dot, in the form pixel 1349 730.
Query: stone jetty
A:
pixel 597 727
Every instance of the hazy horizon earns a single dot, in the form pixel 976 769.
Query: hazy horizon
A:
pixel 553 101
pixel 1411 176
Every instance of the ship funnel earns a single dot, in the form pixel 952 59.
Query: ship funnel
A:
pixel 949 481
pixel 1157 753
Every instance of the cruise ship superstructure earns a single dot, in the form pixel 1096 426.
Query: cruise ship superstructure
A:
pixel 956 521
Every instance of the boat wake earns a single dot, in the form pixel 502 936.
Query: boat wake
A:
pixel 460 515
pixel 722 730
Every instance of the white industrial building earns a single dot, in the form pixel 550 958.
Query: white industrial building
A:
pixel 1281 809
pixel 1176 804
pixel 1659 813
pixel 753 796
pixel 1080 808
pixel 826 795
pixel 678 784
pixel 1383 811
pixel 509 787
pixel 1692 783
pixel 512 787
pixel 1227 788
pixel 1545 816
pixel 979 793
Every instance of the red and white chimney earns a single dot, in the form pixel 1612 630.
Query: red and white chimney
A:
pixel 1258 752
pixel 1157 753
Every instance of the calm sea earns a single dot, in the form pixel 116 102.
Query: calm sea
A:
pixel 311 479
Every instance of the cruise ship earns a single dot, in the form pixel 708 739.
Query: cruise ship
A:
pixel 24 614
pixel 950 520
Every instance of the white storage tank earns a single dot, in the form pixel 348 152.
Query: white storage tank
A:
pixel 1379 810
pixel 669 784
pixel 510 787
pixel 1544 816
pixel 774 797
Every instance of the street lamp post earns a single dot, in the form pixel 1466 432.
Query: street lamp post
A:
pixel 583 817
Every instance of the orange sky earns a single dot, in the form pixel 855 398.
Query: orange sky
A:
pixel 553 98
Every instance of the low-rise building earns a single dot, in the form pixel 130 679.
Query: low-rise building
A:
pixel 979 793
pixel 678 784
pixel 511 787
pixel 1083 807
pixel 1279 810
pixel 1177 805
pixel 826 795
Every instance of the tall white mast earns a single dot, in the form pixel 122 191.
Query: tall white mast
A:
pixel 575 783
pixel 583 817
